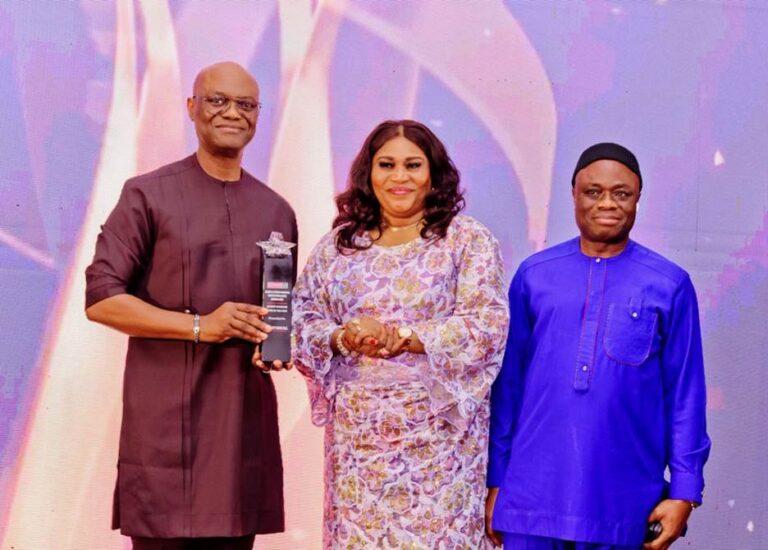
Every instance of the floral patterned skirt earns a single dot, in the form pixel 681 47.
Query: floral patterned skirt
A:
pixel 399 476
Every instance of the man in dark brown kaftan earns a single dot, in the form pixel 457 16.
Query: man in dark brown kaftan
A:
pixel 199 455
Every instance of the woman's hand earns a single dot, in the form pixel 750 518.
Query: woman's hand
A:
pixel 372 338
pixel 396 342
pixel 365 336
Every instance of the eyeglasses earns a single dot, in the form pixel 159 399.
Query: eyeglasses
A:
pixel 219 103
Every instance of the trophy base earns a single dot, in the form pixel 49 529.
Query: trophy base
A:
pixel 277 347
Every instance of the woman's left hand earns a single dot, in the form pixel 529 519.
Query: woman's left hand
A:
pixel 364 335
pixel 370 337
pixel 394 344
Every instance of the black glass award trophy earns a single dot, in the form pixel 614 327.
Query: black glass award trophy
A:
pixel 276 286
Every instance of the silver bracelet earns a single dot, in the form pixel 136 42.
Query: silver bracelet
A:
pixel 196 328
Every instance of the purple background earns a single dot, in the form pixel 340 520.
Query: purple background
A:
pixel 677 82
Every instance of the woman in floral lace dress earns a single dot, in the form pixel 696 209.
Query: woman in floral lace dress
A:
pixel 400 318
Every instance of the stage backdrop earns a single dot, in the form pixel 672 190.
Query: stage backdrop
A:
pixel 92 92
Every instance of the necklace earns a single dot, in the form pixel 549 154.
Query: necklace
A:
pixel 396 228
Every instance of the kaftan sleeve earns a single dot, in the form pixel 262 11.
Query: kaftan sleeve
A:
pixel 122 248
pixel 685 397
pixel 464 350
pixel 506 392
pixel 313 323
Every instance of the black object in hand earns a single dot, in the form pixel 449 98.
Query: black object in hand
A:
pixel 653 531
pixel 276 297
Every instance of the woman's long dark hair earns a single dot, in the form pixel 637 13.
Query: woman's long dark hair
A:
pixel 358 207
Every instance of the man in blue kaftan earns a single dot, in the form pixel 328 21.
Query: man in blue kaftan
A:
pixel 602 385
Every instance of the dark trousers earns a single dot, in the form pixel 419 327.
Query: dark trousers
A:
pixel 214 543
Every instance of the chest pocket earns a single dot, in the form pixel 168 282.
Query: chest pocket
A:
pixel 629 333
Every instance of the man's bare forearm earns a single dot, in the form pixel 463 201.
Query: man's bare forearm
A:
pixel 136 317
